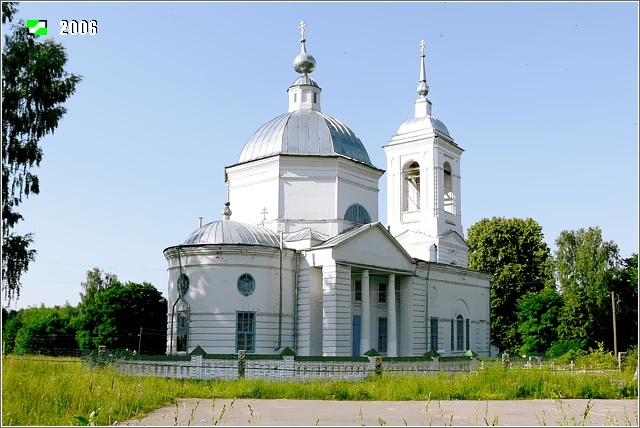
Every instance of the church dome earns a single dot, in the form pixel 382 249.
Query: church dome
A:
pixel 424 123
pixel 305 132
pixel 233 232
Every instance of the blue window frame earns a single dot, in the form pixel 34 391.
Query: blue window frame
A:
pixel 382 293
pixel 358 214
pixel 434 334
pixel 246 331
pixel 357 293
pixel 452 335
pixel 459 333
pixel 382 334
pixel 466 331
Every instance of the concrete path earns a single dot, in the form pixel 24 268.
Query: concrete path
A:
pixel 200 412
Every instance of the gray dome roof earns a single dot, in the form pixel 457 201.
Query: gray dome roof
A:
pixel 305 132
pixel 233 232
pixel 421 124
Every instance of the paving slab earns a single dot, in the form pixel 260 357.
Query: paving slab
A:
pixel 248 412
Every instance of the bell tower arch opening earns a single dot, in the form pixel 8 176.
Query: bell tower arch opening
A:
pixel 411 186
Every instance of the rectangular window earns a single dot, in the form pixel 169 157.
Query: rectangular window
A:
pixel 382 334
pixel 382 293
pixel 246 331
pixel 452 333
pixel 460 335
pixel 467 334
pixel 358 292
pixel 434 334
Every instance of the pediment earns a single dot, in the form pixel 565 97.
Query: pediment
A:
pixel 370 245
pixel 453 237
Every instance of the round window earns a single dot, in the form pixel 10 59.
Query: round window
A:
pixel 246 284
pixel 183 284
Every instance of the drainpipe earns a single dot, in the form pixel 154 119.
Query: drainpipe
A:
pixel 426 299
pixel 295 302
pixel 174 305
pixel 280 304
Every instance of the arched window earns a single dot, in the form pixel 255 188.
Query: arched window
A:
pixel 358 214
pixel 449 196
pixel 411 187
pixel 459 333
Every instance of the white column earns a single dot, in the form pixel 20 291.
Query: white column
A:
pixel 392 332
pixel 365 320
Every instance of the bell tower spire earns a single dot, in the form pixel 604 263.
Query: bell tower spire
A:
pixel 423 105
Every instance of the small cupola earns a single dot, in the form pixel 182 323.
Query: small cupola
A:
pixel 304 93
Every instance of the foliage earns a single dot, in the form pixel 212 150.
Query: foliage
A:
pixel 11 324
pixel 538 320
pixel 566 349
pixel 112 314
pixel 585 268
pixel 34 87
pixel 624 284
pixel 43 330
pixel 514 251
pixel 598 359
pixel 50 391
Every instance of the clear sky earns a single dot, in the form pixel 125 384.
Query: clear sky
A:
pixel 543 98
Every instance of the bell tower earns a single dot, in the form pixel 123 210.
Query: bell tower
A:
pixel 423 185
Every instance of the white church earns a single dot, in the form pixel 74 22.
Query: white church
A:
pixel 300 260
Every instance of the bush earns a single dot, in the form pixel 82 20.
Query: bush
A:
pixel 597 359
pixel 560 349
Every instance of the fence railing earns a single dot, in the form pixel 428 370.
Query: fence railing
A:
pixel 277 367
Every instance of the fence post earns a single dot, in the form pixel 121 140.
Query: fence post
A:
pixel 622 356
pixel 378 365
pixel 242 363
pixel 505 361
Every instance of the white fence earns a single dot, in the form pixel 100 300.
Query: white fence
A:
pixel 284 368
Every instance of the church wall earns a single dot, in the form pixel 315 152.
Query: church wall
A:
pixel 318 190
pixel 413 312
pixel 456 291
pixel 214 299
pixel 254 187
pixel 336 305
pixel 304 310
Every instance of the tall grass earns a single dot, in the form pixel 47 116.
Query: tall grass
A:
pixel 52 391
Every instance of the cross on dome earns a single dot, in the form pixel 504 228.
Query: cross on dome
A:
pixel 303 63
pixel 423 88
pixel 301 27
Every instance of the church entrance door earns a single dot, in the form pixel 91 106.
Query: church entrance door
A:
pixel 356 335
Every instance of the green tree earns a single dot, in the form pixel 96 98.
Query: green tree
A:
pixel 44 330
pixel 115 315
pixel 514 251
pixel 11 324
pixel 538 320
pixel 585 269
pixel 97 281
pixel 35 86
pixel 625 287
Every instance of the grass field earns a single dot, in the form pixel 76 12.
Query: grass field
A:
pixel 60 391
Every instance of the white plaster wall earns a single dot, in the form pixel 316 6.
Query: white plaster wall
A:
pixel 336 306
pixel 253 187
pixel 455 290
pixel 213 296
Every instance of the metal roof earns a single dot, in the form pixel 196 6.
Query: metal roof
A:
pixel 233 232
pixel 305 132
pixel 423 123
